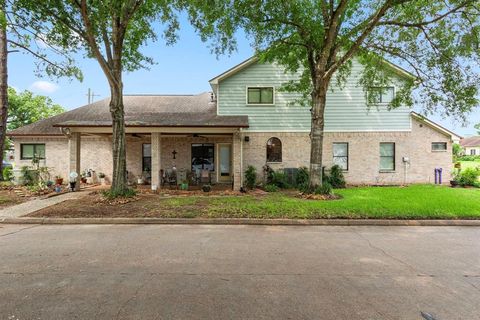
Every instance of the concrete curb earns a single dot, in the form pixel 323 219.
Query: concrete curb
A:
pixel 243 221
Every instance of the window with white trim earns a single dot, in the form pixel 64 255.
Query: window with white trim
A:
pixel 30 150
pixel 439 146
pixel 274 150
pixel 473 152
pixel 340 155
pixel 387 156
pixel 381 94
pixel 260 95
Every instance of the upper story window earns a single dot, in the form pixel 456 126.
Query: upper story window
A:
pixel 387 156
pixel 340 154
pixel 381 94
pixel 30 150
pixel 439 146
pixel 274 150
pixel 260 95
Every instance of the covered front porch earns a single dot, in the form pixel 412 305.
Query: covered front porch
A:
pixel 166 157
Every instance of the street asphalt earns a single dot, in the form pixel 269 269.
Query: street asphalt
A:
pixel 238 272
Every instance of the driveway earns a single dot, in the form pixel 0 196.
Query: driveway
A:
pixel 238 272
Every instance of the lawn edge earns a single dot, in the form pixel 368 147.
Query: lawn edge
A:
pixel 243 221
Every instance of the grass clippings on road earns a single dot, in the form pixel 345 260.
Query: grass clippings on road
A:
pixel 413 202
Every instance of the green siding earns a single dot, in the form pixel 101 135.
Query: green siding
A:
pixel 346 108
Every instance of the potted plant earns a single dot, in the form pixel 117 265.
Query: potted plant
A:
pixel 456 177
pixel 184 185
pixel 206 188
pixel 58 180
pixel 101 175
pixel 83 178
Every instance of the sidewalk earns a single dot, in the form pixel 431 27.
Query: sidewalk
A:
pixel 25 208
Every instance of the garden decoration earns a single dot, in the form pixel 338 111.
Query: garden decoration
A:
pixel 73 180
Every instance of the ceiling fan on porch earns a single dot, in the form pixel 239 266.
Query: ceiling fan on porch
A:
pixel 196 135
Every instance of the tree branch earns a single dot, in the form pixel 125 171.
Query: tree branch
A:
pixel 425 23
pixel 35 54
pixel 357 43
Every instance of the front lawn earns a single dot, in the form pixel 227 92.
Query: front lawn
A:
pixel 470 164
pixel 413 202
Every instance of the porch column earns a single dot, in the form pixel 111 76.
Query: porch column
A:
pixel 237 161
pixel 74 157
pixel 156 158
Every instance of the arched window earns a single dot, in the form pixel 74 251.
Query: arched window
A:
pixel 274 150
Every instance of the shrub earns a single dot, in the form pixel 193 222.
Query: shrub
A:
pixel 469 158
pixel 7 173
pixel 301 180
pixel 468 177
pixel 29 176
pixel 251 177
pixel 206 188
pixel 325 189
pixel 278 179
pixel 336 178
pixel 271 188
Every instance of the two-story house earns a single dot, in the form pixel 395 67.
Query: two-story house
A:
pixel 246 120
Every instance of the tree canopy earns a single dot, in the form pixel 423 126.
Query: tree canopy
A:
pixel 25 108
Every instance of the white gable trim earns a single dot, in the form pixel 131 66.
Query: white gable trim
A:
pixel 436 126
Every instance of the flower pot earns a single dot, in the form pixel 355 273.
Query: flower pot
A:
pixel 102 181
pixel 84 180
pixel 140 181
pixel 184 186
pixel 59 181
pixel 454 183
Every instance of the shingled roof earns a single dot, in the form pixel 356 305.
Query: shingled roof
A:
pixel 470 142
pixel 140 111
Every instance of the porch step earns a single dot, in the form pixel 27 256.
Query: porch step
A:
pixel 19 192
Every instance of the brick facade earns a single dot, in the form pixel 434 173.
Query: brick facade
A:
pixel 364 151
pixel 96 153
pixel 364 158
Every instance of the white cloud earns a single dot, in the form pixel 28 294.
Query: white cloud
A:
pixel 44 86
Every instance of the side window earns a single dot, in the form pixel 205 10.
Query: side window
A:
pixel 29 150
pixel 381 94
pixel 387 156
pixel 473 152
pixel 260 95
pixel 340 154
pixel 274 150
pixel 439 146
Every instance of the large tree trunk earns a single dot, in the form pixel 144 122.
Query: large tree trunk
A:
pixel 3 87
pixel 119 179
pixel 319 98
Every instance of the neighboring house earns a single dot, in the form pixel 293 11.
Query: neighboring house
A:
pixel 471 146
pixel 247 120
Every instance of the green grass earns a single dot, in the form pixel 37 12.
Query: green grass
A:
pixel 469 164
pixel 413 202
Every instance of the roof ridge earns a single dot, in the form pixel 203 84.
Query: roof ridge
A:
pixel 164 94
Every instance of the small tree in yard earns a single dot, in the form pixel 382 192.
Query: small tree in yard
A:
pixel 25 108
pixel 112 32
pixel 437 41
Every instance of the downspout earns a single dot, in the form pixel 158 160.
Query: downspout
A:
pixel 241 158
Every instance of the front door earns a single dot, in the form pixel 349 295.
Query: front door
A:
pixel 224 162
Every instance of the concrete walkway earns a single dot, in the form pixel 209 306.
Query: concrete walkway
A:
pixel 25 208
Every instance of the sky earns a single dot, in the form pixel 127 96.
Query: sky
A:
pixel 183 68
